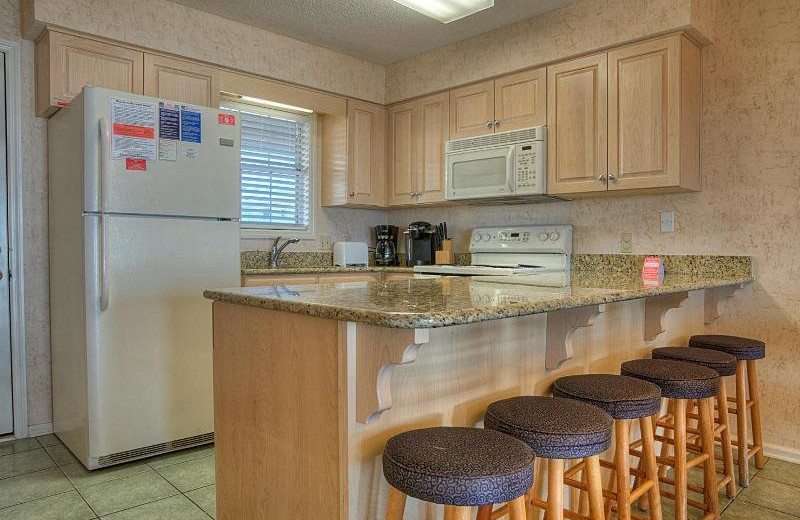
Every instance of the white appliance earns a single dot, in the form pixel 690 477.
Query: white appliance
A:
pixel 144 209
pixel 506 166
pixel 350 254
pixel 528 255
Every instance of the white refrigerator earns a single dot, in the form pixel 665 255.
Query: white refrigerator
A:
pixel 144 208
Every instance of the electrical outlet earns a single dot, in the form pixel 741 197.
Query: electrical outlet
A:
pixel 667 221
pixel 324 242
pixel 626 243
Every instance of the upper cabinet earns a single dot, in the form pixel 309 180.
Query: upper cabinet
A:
pixel 506 103
pixel 353 156
pixel 626 120
pixel 65 63
pixel 417 133
pixel 181 80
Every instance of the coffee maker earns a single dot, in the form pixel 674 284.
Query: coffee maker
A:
pixel 386 245
pixel 419 244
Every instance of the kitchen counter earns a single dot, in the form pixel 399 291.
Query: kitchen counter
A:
pixel 330 269
pixel 441 302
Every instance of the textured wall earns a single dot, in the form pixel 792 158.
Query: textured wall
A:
pixel 174 28
pixel 750 201
pixel 34 199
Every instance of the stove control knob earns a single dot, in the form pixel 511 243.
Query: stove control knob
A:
pixel 543 236
pixel 476 238
pixel 487 237
pixel 554 236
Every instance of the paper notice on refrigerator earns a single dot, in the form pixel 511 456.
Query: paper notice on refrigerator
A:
pixel 167 150
pixel 133 129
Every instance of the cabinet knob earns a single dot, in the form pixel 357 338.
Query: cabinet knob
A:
pixel 612 177
pixel 489 124
pixel 601 178
pixel 352 194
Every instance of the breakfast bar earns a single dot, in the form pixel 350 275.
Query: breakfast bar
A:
pixel 311 380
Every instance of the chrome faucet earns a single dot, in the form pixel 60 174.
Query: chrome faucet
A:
pixel 276 251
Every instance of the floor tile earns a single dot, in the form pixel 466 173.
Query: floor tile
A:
pixel 181 456
pixel 773 495
pixel 82 478
pixel 66 506
pixel 741 510
pixel 25 462
pixel 123 493
pixel 16 490
pixel 190 475
pixel 17 446
pixel 48 440
pixel 781 471
pixel 206 498
pixel 173 508
pixel 61 455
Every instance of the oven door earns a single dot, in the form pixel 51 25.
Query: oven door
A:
pixel 478 174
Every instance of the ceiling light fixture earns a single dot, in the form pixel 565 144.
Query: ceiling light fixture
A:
pixel 447 11
pixel 265 102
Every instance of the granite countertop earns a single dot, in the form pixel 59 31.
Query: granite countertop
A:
pixel 445 301
pixel 328 269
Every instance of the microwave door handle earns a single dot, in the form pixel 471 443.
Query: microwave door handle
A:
pixel 512 171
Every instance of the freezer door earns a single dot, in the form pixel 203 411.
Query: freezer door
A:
pixel 149 328
pixel 193 157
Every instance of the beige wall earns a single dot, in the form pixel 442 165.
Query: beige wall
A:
pixel 750 204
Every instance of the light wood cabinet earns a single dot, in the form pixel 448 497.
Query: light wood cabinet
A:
pixel 66 63
pixel 353 156
pixel 577 115
pixel 472 110
pixel 181 80
pixel 520 100
pixel 278 279
pixel 417 133
pixel 349 277
pixel 628 120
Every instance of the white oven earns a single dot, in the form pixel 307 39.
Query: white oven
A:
pixel 497 166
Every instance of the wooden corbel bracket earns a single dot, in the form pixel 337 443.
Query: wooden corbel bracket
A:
pixel 714 297
pixel 561 324
pixel 655 310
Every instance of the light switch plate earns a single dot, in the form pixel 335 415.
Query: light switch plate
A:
pixel 324 242
pixel 667 221
pixel 626 243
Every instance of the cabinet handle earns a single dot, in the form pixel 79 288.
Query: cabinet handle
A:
pixel 496 122
pixel 489 124
pixel 612 177
pixel 601 178
pixel 352 194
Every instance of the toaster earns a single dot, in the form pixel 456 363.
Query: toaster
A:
pixel 350 254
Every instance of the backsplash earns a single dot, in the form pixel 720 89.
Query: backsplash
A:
pixel 260 259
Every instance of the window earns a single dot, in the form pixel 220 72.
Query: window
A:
pixel 276 171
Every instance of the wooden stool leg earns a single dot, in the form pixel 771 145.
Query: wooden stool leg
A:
pixel 484 513
pixel 709 466
pixel 680 459
pixel 397 504
pixel 667 433
pixel 555 489
pixel 583 501
pixel 623 462
pixel 595 488
pixel 741 421
pixel 457 513
pixel 517 509
pixel 727 449
pixel 650 467
pixel 755 412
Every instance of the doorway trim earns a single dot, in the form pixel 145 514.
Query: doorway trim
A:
pixel 11 49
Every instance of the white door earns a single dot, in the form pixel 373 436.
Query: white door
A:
pixel 150 350
pixel 6 411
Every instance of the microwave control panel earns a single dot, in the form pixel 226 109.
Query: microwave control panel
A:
pixel 529 167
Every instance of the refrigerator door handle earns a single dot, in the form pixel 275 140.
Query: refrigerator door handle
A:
pixel 105 160
pixel 102 279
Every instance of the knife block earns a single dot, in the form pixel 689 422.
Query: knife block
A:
pixel 445 256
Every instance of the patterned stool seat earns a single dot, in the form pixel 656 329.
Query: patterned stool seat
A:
pixel 458 466
pixel 677 379
pixel 723 363
pixel 554 427
pixel 621 396
pixel 742 348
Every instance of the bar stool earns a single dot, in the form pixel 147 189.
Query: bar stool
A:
pixel 625 399
pixel 725 365
pixel 681 382
pixel 457 467
pixel 747 352
pixel 556 429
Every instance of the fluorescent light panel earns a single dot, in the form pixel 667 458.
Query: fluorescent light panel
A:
pixel 447 11
pixel 273 104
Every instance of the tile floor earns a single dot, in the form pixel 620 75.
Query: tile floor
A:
pixel 41 480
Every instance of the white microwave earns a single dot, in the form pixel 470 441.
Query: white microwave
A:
pixel 502 166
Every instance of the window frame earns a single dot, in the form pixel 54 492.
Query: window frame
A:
pixel 254 231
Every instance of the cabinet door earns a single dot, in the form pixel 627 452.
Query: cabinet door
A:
pixel 433 132
pixel 181 80
pixel 644 115
pixel 472 110
pixel 577 109
pixel 66 63
pixel 520 100
pixel 403 152
pixel 366 136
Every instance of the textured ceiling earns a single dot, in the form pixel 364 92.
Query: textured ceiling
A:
pixel 382 31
